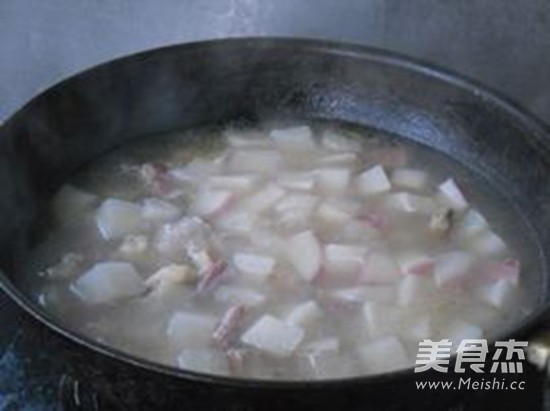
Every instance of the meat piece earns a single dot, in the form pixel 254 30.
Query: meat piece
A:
pixel 235 359
pixel 156 178
pixel 441 222
pixel 210 277
pixel 133 246
pixel 228 325
pixel 65 268
pixel 169 275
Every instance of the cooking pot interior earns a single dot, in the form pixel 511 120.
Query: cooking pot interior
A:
pixel 249 81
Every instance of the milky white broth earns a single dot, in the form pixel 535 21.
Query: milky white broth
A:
pixel 305 252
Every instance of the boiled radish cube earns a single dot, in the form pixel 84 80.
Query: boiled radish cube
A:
pixel 294 201
pixel 344 259
pixel 190 330
pixel 333 213
pixel 383 319
pixel 255 266
pixel 340 159
pixel 326 345
pixel 361 294
pixel 458 330
pixel 304 315
pixel 335 141
pixel 273 336
pixel 488 244
pixel 195 171
pixel 303 251
pixel 70 201
pixel 239 295
pixel 254 161
pixel 246 138
pixel 373 181
pixel 452 195
pixel 415 264
pixel 471 224
pixel 500 294
pixel 304 181
pixel 414 290
pixel 383 355
pixel 418 329
pixel 453 269
pixel 203 360
pixel 332 180
pixel 237 183
pixel 264 198
pixel 409 178
pixel 411 203
pixel 117 218
pixel 237 220
pixel 379 268
pixel 212 203
pixel 294 138
pixel 108 281
pixel 157 210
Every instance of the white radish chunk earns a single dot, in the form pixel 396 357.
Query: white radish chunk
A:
pixel 333 214
pixel 458 330
pixel 361 294
pixel 488 244
pixel 264 199
pixel 203 360
pixel 453 269
pixel 416 264
pixel 385 319
pixel 239 295
pixel 328 345
pixel 500 294
pixel 108 281
pixel 293 201
pixel 409 179
pixel 380 268
pixel 418 329
pixel 303 251
pixel 335 141
pixel 452 195
pixel 239 183
pixel 297 181
pixel 273 336
pixel 471 224
pixel 71 201
pixel 254 161
pixel 156 210
pixel 245 138
pixel 117 218
pixel 212 203
pixel 190 330
pixel 332 180
pixel 254 266
pixel 344 259
pixel 385 354
pixel 196 170
pixel 134 246
pixel 373 181
pixel 236 220
pixel 414 290
pixel 294 138
pixel 411 203
pixel 340 159
pixel 304 315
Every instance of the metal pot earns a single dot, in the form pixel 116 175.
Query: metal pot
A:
pixel 255 79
